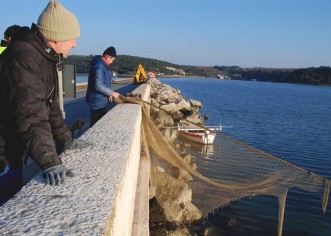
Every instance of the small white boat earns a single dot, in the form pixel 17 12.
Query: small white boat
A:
pixel 198 134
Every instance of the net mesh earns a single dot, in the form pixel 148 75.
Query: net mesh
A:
pixel 186 194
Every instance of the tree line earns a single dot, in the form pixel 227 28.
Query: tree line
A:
pixel 125 64
pixel 313 75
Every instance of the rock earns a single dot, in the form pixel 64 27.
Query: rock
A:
pixel 174 197
pixel 167 135
pixel 195 118
pixel 180 232
pixel 186 112
pixel 195 103
pixel 156 212
pixel 170 134
pixel 163 119
pixel 183 104
pixel 172 107
pixel 174 135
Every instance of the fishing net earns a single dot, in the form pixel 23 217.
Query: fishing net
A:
pixel 186 195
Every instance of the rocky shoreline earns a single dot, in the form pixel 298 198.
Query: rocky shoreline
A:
pixel 172 101
pixel 172 215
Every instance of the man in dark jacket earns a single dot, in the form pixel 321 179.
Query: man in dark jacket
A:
pixel 30 116
pixel 8 34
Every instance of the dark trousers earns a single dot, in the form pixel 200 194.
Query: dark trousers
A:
pixel 10 184
pixel 97 115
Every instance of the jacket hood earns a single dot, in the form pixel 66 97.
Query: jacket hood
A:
pixel 35 38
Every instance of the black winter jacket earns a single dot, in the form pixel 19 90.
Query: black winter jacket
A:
pixel 30 116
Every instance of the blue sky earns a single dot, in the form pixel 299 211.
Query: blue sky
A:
pixel 247 33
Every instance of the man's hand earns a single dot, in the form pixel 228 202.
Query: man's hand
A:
pixel 113 95
pixel 56 175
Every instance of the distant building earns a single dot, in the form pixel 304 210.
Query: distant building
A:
pixel 223 77
pixel 178 71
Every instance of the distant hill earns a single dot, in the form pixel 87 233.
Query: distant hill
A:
pixel 314 75
pixel 125 64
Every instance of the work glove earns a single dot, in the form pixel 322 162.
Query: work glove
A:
pixel 78 143
pixel 56 175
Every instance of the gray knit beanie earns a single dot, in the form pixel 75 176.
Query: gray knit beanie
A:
pixel 57 23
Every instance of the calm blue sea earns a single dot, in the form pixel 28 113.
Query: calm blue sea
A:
pixel 81 77
pixel 291 122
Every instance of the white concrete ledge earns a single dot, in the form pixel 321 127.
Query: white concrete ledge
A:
pixel 141 213
pixel 100 199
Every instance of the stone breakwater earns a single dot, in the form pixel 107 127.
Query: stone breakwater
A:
pixel 171 100
pixel 170 196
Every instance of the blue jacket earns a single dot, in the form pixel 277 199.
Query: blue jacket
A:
pixel 99 82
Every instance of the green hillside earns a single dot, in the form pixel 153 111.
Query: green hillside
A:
pixel 126 65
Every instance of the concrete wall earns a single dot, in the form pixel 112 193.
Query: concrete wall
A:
pixel 101 198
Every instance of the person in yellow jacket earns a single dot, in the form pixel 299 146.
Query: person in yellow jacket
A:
pixel 2 47
pixel 8 34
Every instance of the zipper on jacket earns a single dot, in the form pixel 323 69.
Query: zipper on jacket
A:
pixel 50 94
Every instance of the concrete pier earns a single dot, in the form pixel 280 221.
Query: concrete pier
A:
pixel 108 194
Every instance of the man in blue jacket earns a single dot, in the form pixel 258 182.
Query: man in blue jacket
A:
pixel 99 92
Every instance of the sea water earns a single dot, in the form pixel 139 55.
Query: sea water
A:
pixel 81 77
pixel 289 121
